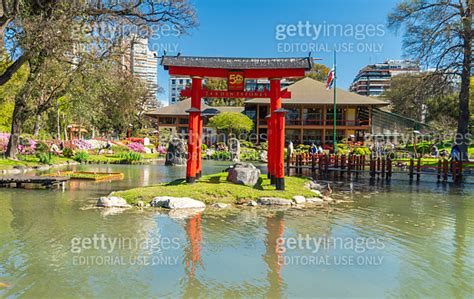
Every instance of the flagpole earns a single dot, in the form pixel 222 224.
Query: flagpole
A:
pixel 334 109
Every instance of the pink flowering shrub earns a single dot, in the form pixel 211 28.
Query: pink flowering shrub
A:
pixel 4 137
pixel 26 145
pixel 82 145
pixel 137 147
pixel 162 150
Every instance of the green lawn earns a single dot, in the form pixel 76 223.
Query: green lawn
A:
pixel 32 160
pixel 28 161
pixel 84 175
pixel 111 158
pixel 215 188
pixel 102 158
pixel 9 164
pixel 153 156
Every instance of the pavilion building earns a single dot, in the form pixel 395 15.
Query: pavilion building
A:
pixel 310 113
pixel 309 116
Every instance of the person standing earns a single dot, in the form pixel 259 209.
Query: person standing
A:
pixel 290 149
pixel 314 149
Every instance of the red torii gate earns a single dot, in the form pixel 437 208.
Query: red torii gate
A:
pixel 236 70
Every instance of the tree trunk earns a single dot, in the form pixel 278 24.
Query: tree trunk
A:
pixel 3 27
pixel 58 123
pixel 2 42
pixel 462 136
pixel 37 125
pixel 18 118
pixel 66 136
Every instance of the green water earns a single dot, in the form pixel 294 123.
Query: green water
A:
pixel 423 244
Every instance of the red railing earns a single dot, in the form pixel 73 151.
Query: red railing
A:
pixel 375 166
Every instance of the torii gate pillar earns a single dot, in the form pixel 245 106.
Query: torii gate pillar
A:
pixel 193 167
pixel 276 136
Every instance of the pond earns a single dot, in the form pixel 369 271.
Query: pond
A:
pixel 384 241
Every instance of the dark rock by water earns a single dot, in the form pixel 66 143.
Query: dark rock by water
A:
pixel 177 152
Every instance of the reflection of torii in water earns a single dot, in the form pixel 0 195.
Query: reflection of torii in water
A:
pixel 192 256
pixel 273 258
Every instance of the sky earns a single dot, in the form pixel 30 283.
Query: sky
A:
pixel 356 29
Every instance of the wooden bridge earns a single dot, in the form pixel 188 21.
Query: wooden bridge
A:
pixel 376 167
pixel 19 181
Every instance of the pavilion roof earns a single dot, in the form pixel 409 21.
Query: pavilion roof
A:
pixel 238 63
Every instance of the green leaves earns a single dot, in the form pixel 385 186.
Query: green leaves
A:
pixel 232 122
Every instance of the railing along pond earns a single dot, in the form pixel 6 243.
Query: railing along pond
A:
pixel 300 164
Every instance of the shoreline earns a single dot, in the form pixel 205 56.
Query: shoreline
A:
pixel 216 192
pixel 18 169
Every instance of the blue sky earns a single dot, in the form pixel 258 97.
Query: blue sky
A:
pixel 269 28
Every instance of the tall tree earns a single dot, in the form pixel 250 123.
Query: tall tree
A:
pixel 411 94
pixel 107 19
pixel 440 34
pixel 319 72
pixel 221 84
pixel 231 122
pixel 73 32
pixel 105 97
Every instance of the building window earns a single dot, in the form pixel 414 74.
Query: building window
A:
pixel 313 116
pixel 167 120
pixel 251 112
pixel 292 117
pixel 340 117
pixel 293 136
pixel 262 115
pixel 183 121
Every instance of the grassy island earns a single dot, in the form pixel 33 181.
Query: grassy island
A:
pixel 215 188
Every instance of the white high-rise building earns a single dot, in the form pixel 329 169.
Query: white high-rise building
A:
pixel 373 80
pixel 143 64
pixel 176 84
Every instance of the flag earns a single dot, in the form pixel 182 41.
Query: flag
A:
pixel 330 82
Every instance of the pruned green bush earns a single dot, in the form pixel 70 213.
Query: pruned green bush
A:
pixel 68 152
pixel 131 156
pixel 221 155
pixel 81 156
pixel 42 147
pixel 44 158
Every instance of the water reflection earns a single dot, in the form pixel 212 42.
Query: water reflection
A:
pixel 427 229
pixel 275 226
